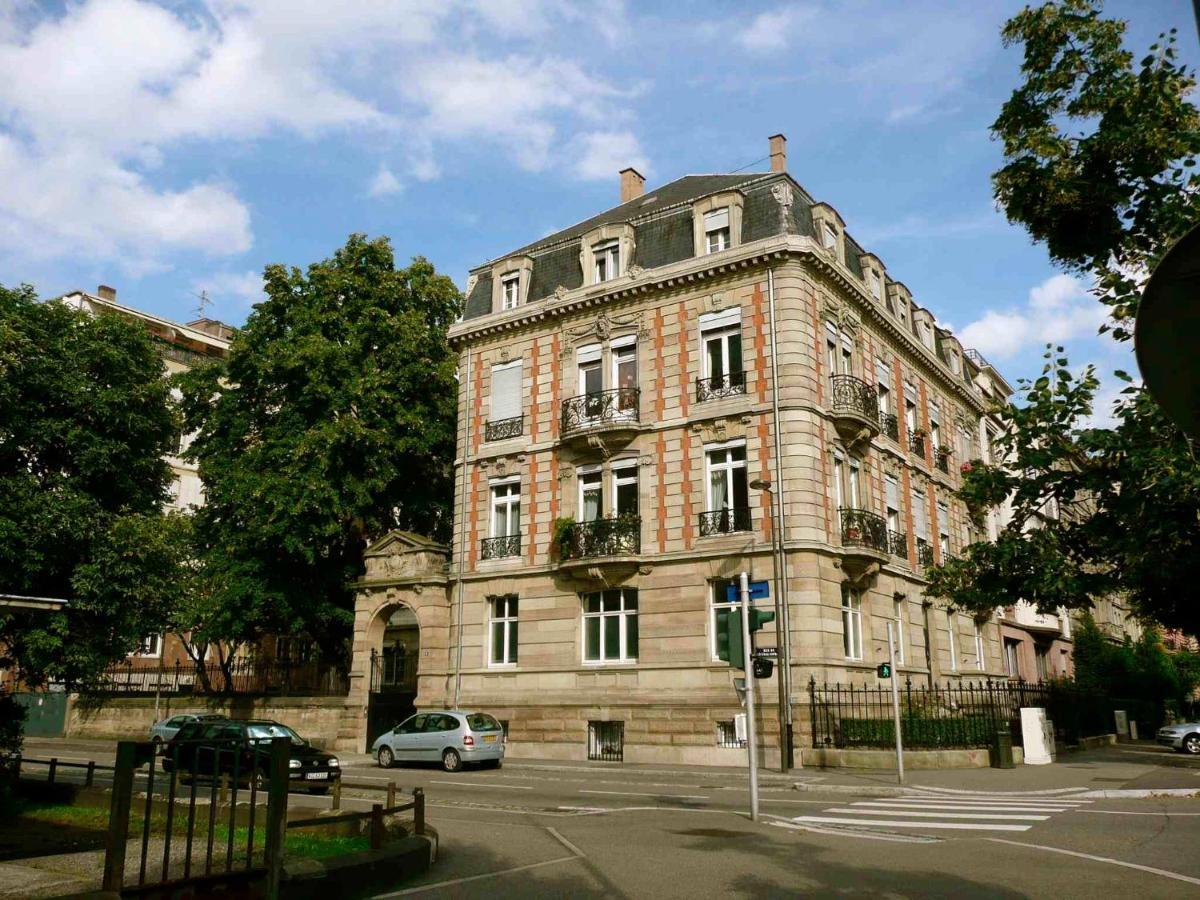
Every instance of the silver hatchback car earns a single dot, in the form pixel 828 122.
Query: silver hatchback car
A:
pixel 1184 737
pixel 452 737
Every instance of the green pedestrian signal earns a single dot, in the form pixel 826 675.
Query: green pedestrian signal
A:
pixel 729 634
pixel 884 670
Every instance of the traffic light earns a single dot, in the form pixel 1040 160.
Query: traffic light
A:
pixel 763 667
pixel 729 638
pixel 884 670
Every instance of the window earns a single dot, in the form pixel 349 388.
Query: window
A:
pixel 727 478
pixel 910 409
pixel 883 379
pixel 892 490
pixel 510 290
pixel 591 372
pixel 920 515
pixel 727 734
pixel 625 488
pixel 723 356
pixel 943 514
pixel 504 631
pixel 953 645
pixel 625 376
pixel 1042 656
pixel 846 482
pixel 716 230
pixel 506 396
pixel 506 508
pixel 607 256
pixel 721 607
pixel 935 424
pixel 1011 651
pixel 898 615
pixel 979 658
pixel 876 286
pixel 150 645
pixel 610 625
pixel 591 496
pixel 852 623
pixel 839 353
pixel 829 236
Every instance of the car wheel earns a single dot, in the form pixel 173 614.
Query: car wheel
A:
pixel 1191 744
pixel 451 761
pixel 386 758
pixel 156 741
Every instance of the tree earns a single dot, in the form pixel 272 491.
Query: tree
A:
pixel 85 420
pixel 1099 159
pixel 331 422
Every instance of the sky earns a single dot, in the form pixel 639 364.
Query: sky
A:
pixel 173 147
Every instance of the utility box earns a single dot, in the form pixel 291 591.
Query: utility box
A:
pixel 739 727
pixel 1001 751
pixel 1037 735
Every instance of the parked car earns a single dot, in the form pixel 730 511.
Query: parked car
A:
pixel 454 738
pixel 1183 737
pixel 227 747
pixel 165 729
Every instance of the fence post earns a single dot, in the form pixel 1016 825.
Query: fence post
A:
pixel 223 792
pixel 337 794
pixel 16 764
pixel 118 817
pixel 53 770
pixel 91 773
pixel 418 810
pixel 391 794
pixel 376 826
pixel 276 828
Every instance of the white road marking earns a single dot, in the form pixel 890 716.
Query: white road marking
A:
pixel 773 800
pixel 1104 859
pixel 562 840
pixel 441 884
pixel 1123 812
pixel 961 807
pixel 506 787
pixel 880 836
pixel 921 814
pixel 640 794
pixel 898 823
pixel 1054 793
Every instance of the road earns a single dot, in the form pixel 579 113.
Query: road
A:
pixel 533 830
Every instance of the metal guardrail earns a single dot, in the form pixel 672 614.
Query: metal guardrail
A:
pixel 500 547
pixel 898 543
pixel 890 424
pixel 503 429
pixel 725 521
pixel 617 536
pixel 715 387
pixel 613 407
pixel 853 395
pixel 279 678
pixel 861 528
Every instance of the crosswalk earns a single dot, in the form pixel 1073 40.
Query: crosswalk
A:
pixel 945 812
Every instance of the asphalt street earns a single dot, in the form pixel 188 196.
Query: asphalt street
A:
pixel 552 830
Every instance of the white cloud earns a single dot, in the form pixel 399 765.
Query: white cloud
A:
pixel 774 30
pixel 1059 309
pixel 384 183
pixel 244 287
pixel 603 154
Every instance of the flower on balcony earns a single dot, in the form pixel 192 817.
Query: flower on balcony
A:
pixel 966 467
pixel 945 452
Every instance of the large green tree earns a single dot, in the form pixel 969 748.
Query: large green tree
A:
pixel 85 420
pixel 1100 151
pixel 331 423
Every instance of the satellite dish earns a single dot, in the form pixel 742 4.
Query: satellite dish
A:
pixel 1167 333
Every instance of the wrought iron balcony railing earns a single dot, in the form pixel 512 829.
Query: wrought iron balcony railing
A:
pixel 891 426
pixel 863 529
pixel 942 457
pixel 725 521
pixel 916 443
pixel 503 429
pixel 924 553
pixel 853 395
pixel 500 547
pixel 714 387
pixel 898 543
pixel 600 408
pixel 618 536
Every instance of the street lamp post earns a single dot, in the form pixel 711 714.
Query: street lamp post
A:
pixel 782 631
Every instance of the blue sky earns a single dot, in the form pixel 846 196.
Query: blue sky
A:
pixel 165 148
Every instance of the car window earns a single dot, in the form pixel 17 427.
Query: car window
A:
pixel 209 732
pixel 188 732
pixel 441 723
pixel 483 722
pixel 177 722
pixel 264 731
pixel 413 725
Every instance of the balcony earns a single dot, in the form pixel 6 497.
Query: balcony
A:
pixel 500 547
pixel 599 543
pixel 864 542
pixel 942 459
pixel 725 521
pixel 916 443
pixel 609 415
pixel 890 425
pixel 504 429
pixel 924 553
pixel 898 543
pixel 717 387
pixel 855 408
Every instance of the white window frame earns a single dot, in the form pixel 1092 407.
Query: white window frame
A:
pixel 721 334
pixel 625 472
pixel 979 650
pixel 728 465
pixel 935 425
pixel 504 613
pixel 898 607
pixel 621 618
pixel 1012 659
pixel 508 500
pixel 951 616
pixel 501 414
pixel 829 236
pixel 920 514
pixel 943 514
pixel 588 474
pixel 716 225
pixel 892 493
pixel 883 384
pixel 510 290
pixel 143 651
pixel 718 603
pixel 852 624
pixel 877 285
pixel 606 260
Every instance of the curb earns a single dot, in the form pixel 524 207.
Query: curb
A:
pixel 764 777
pixel 1140 793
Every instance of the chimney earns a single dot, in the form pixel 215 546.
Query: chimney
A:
pixel 633 184
pixel 778 144
pixel 104 292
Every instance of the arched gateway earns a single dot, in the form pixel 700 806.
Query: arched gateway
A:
pixel 401 636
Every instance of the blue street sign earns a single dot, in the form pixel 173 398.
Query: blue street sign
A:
pixel 759 590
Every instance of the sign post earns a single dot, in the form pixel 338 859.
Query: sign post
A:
pixel 895 703
pixel 751 724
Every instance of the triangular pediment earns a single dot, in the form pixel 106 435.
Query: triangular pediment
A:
pixel 405 555
pixel 397 541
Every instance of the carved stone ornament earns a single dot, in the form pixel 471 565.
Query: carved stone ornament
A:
pixel 500 468
pixel 782 193
pixel 566 472
pixel 634 271
pixel 472 280
pixel 505 355
pixel 842 315
pixel 716 302
pixel 560 292
pixel 604 325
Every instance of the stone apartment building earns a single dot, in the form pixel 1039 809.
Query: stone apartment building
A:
pixel 705 379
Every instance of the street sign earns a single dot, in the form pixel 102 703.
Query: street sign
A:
pixel 767 652
pixel 759 590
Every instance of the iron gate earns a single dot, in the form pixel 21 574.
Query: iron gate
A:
pixel 606 741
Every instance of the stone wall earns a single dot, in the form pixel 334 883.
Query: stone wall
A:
pixel 130 718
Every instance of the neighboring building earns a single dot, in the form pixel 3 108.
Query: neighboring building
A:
pixel 627 385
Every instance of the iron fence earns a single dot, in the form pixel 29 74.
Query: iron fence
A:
pixel 725 521
pixel 943 459
pixel 616 406
pixel 504 428
pixel 853 395
pixel 239 676
pixel 861 528
pixel 393 672
pixel 714 387
pixel 924 553
pixel 616 536
pixel 891 426
pixel 916 443
pixel 500 547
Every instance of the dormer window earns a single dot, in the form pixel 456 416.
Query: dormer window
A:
pixel 510 287
pixel 716 230
pixel 876 286
pixel 829 236
pixel 607 257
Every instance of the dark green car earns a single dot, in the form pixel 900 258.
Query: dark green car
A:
pixel 242 749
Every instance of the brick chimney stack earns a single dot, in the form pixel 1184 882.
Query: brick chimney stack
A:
pixel 778 144
pixel 633 184
pixel 104 292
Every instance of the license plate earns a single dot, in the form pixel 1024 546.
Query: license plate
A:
pixel 316 776
pixel 489 739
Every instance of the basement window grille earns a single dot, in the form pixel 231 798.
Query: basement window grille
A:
pixel 606 741
pixel 727 735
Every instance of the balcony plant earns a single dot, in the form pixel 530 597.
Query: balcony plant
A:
pixel 559 532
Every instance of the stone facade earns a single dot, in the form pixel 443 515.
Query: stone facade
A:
pixel 654 428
